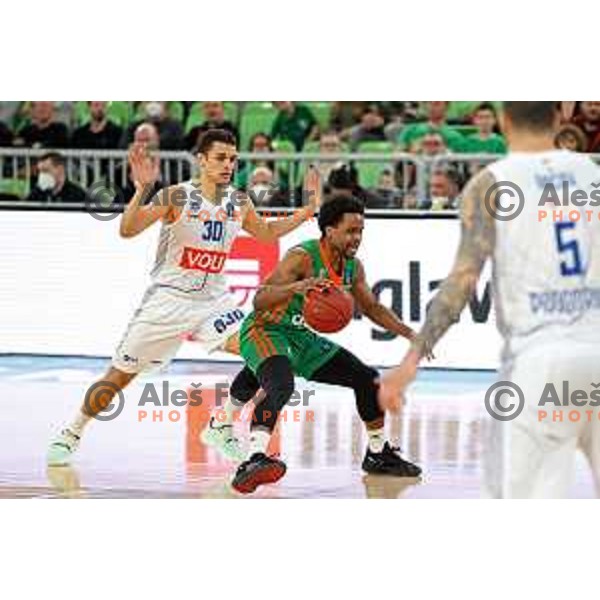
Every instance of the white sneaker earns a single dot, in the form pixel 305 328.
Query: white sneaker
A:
pixel 222 439
pixel 62 448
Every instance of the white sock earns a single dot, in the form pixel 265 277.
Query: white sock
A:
pixel 376 439
pixel 224 415
pixel 229 408
pixel 259 440
pixel 78 425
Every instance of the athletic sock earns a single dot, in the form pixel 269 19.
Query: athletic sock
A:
pixel 78 425
pixel 376 440
pixel 223 416
pixel 259 440
pixel 229 408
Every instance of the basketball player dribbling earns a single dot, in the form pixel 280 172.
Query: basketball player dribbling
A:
pixel 546 276
pixel 276 345
pixel 188 295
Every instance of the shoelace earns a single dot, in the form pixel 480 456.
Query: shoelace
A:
pixel 70 439
pixel 395 449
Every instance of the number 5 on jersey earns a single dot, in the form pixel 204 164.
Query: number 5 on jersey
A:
pixel 568 247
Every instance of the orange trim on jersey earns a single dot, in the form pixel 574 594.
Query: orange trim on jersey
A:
pixel 326 258
pixel 263 343
pixel 271 350
pixel 278 314
pixel 260 347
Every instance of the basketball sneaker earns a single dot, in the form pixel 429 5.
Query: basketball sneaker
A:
pixel 62 448
pixel 222 439
pixel 389 462
pixel 259 469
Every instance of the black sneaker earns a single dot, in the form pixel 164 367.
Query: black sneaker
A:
pixel 389 462
pixel 259 469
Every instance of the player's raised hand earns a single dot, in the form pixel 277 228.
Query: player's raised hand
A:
pixel 145 168
pixel 312 188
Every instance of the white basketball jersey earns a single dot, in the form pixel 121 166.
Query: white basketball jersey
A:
pixel 547 270
pixel 192 251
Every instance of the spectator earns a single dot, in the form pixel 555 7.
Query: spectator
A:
pixel 443 189
pixel 430 144
pixel 570 137
pixel 588 120
pixel 370 129
pixel 145 133
pixel 169 130
pixel 99 133
pixel 6 135
pixel 343 181
pixel 436 121
pixel 485 141
pixel 52 184
pixel 387 195
pixel 214 118
pixel 410 201
pixel 345 115
pixel 263 191
pixel 260 143
pixel 295 123
pixel 329 143
pixel 43 131
pixel 9 110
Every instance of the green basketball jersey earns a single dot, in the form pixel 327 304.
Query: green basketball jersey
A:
pixel 290 314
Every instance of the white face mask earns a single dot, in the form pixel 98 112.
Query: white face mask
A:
pixel 46 181
pixel 154 110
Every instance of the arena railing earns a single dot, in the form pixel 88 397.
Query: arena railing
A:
pixel 87 167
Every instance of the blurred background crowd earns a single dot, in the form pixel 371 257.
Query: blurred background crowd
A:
pixel 393 155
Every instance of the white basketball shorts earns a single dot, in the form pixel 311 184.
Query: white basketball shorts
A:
pixel 533 455
pixel 166 318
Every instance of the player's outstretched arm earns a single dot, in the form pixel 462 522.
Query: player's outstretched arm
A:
pixel 144 172
pixel 476 245
pixel 291 276
pixel 270 231
pixel 374 310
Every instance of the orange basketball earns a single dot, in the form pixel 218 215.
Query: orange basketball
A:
pixel 328 310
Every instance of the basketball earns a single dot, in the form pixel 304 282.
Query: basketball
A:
pixel 328 310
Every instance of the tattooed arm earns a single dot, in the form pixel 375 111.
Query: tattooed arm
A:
pixel 476 245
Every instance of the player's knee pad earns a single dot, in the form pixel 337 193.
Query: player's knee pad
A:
pixel 366 388
pixel 277 380
pixel 244 386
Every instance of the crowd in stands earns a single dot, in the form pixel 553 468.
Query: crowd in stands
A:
pixel 431 130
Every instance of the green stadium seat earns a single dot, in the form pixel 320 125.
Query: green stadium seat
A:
pixel 256 117
pixel 196 116
pixel 460 110
pixel 322 113
pixel 285 167
pixel 175 109
pixel 19 188
pixel 313 147
pixel 369 171
pixel 118 112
